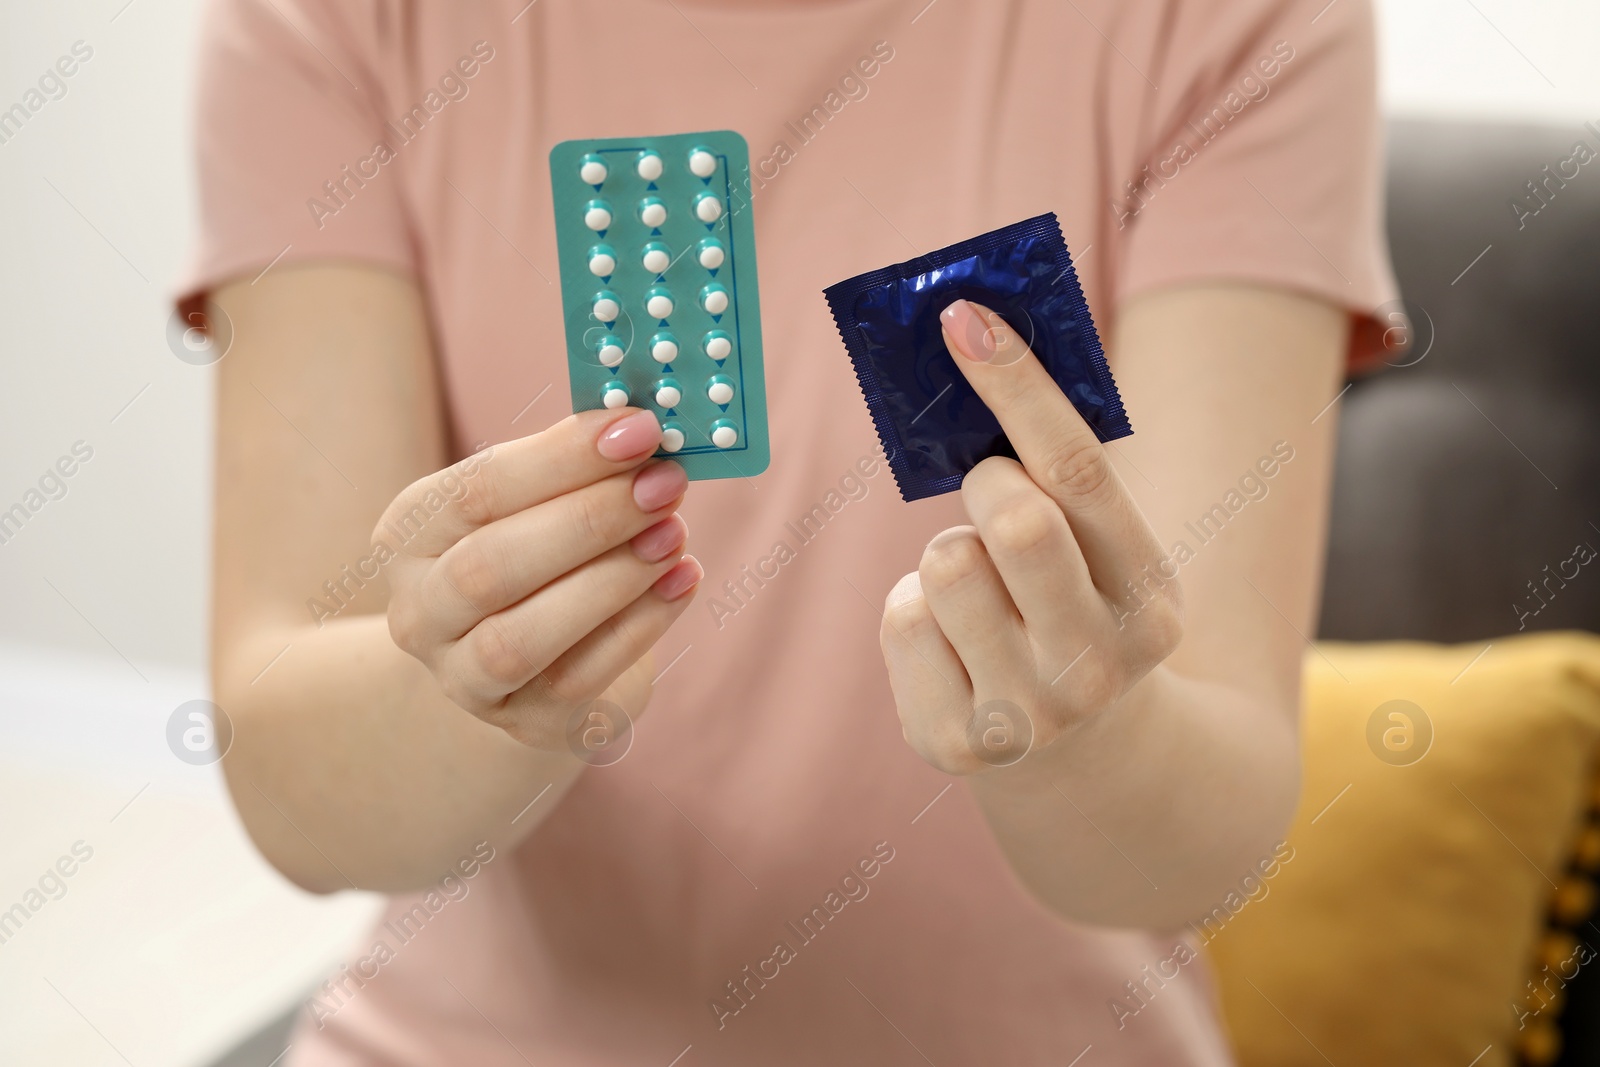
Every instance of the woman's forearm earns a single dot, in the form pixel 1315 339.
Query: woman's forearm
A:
pixel 432 710
pixel 351 770
pixel 1148 814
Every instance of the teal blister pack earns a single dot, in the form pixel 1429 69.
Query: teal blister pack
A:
pixel 658 291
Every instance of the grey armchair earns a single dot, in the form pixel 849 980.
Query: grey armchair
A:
pixel 1465 480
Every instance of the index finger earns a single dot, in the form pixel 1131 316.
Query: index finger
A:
pixel 435 512
pixel 1056 446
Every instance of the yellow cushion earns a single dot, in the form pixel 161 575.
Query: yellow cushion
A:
pixel 1404 927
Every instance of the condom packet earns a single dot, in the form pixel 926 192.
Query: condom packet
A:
pixel 933 426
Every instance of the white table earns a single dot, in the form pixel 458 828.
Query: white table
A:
pixel 174 940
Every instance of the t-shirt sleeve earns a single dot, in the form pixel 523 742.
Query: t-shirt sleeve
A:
pixel 1266 165
pixel 294 155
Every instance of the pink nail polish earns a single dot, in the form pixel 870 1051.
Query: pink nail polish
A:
pixel 629 437
pixel 661 540
pixel 658 485
pixel 967 331
pixel 684 576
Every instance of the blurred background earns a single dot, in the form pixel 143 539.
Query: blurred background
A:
pixel 173 940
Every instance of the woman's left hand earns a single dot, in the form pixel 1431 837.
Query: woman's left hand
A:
pixel 1052 605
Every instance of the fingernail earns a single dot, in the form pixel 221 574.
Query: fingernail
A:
pixel 684 576
pixel 658 484
pixel 661 540
pixel 630 436
pixel 967 332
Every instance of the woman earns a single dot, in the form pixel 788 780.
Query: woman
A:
pixel 798 857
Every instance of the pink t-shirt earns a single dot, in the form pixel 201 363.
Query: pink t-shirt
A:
pixel 709 895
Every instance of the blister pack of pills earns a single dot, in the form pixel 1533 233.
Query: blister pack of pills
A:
pixel 933 426
pixel 658 288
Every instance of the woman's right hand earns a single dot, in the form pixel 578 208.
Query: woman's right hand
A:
pixel 530 577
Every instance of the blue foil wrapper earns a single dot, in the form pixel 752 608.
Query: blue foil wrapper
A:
pixel 933 426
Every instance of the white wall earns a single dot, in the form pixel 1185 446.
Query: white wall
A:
pixel 1505 59
pixel 96 188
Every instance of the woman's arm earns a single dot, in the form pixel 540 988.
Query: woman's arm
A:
pixel 349 764
pixel 1169 760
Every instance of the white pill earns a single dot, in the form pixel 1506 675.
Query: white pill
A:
pixel 593 172
pixel 668 396
pixel 602 265
pixel 649 167
pixel 716 301
pixel 659 306
pixel 702 163
pixel 711 257
pixel 719 347
pixel 617 397
pixel 720 392
pixel 610 354
pixel 656 260
pixel 671 439
pixel 664 351
pixel 607 309
pixel 724 436
pixel 653 214
pixel 597 218
pixel 708 209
